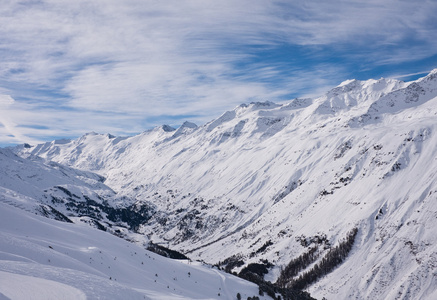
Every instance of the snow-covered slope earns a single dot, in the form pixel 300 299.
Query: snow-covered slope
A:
pixel 270 181
pixel 45 259
pixel 67 194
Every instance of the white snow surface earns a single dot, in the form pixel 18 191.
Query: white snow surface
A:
pixel 363 155
pixel 46 259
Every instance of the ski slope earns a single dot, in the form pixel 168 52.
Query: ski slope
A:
pixel 45 259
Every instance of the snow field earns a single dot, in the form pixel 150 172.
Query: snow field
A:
pixel 45 259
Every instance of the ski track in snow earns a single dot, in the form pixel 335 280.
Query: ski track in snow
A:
pixel 223 284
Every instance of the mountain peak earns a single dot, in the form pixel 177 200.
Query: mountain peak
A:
pixel 187 124
pixel 263 104
pixel 184 129
pixel 347 82
pixel 430 77
pixel 167 128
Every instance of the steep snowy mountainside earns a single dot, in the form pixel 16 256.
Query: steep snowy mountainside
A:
pixel 414 94
pixel 67 194
pixel 184 129
pixel 357 94
pixel 46 259
pixel 38 175
pixel 47 182
pixel 270 182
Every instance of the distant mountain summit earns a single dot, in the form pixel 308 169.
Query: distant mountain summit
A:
pixel 349 176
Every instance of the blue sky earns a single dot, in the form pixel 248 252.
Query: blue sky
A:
pixel 122 67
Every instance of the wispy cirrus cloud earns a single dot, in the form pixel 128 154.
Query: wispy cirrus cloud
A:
pixel 141 62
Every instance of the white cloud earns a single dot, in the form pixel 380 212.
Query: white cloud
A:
pixel 6 101
pixel 150 58
pixel 401 76
pixel 8 126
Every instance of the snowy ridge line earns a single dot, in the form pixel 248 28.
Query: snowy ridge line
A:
pixel 261 178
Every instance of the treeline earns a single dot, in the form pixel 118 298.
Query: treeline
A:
pixel 255 273
pixel 290 287
pixel 231 262
pixel 166 252
pixel 296 265
pixel 329 262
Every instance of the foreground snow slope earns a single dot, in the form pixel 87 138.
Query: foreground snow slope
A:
pixel 45 259
pixel 266 181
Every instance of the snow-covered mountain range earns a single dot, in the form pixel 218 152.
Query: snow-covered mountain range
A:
pixel 266 184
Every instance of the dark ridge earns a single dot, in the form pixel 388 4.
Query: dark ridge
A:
pixel 48 211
